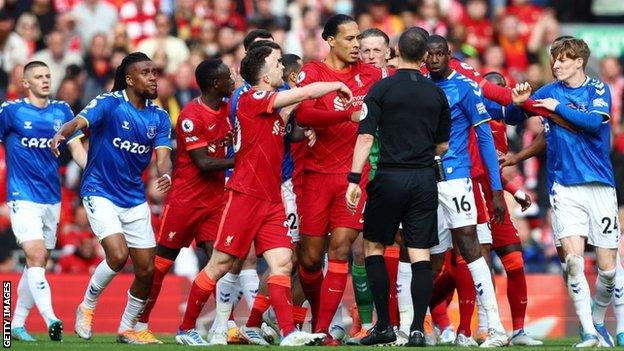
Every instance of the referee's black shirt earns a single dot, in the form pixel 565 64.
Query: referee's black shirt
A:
pixel 410 115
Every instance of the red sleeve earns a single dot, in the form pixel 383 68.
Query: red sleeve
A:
pixel 491 91
pixel 258 102
pixel 310 116
pixel 528 106
pixel 191 131
pixel 510 186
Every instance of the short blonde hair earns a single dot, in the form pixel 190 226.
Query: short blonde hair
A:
pixel 571 48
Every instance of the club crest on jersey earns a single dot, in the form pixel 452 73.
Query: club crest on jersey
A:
pixel 125 125
pixel 187 125
pixel 27 125
pixel 57 125
pixel 358 80
pixel 228 240
pixel 151 131
pixel 582 107
pixel 259 95
pixel 300 77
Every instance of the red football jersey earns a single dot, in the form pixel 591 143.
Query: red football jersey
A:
pixel 333 151
pixel 258 147
pixel 199 126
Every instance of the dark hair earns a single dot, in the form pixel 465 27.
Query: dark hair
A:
pixel 261 43
pixel 253 63
pixel 120 73
pixel 331 26
pixel 374 32
pixel 255 34
pixel 496 78
pixel 412 45
pixel 571 48
pixel 291 64
pixel 33 64
pixel 437 39
pixel 206 72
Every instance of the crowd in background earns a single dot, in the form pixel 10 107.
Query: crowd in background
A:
pixel 83 41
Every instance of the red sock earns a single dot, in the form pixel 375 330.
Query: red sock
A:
pixel 203 286
pixel 280 295
pixel 443 285
pixel 391 256
pixel 311 283
pixel 516 287
pixel 331 293
pixel 466 295
pixel 232 314
pixel 260 305
pixel 299 314
pixel 440 317
pixel 161 267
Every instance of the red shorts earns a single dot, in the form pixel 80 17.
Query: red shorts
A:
pixel 180 225
pixel 482 213
pixel 248 219
pixel 503 234
pixel 323 205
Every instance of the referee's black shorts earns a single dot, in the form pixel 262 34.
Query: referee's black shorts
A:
pixel 406 196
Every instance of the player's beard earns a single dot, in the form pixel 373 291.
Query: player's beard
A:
pixel 149 96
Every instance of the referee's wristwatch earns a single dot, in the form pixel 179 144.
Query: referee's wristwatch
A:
pixel 354 178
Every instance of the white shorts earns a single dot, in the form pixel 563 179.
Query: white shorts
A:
pixel 588 210
pixel 444 234
pixel 34 221
pixel 456 197
pixel 106 218
pixel 290 204
pixel 484 233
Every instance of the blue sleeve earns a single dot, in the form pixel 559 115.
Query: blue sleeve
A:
pixel 494 110
pixel 589 122
pixel 600 97
pixel 5 121
pixel 68 115
pixel 163 134
pixel 488 154
pixel 472 104
pixel 514 115
pixel 94 112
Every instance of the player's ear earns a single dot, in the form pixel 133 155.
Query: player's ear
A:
pixel 331 40
pixel 129 81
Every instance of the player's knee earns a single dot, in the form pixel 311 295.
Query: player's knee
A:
pixel 250 262
pixel 309 260
pixel 574 265
pixel 37 257
pixel 144 274
pixel 117 260
pixel 337 251
pixel 513 261
pixel 607 276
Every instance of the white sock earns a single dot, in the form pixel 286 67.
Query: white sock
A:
pixel 483 322
pixel 564 272
pixel 404 297
pixel 482 278
pixel 579 292
pixel 99 281
pixel 225 295
pixel 134 307
pixel 140 326
pixel 40 290
pixel 248 281
pixel 618 296
pixel 605 284
pixel 337 320
pixel 24 303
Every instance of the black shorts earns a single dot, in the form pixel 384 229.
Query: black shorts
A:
pixel 406 196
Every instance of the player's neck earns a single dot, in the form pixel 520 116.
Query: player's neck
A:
pixel 576 80
pixel 409 65
pixel 335 63
pixel 36 101
pixel 211 100
pixel 135 100
pixel 263 86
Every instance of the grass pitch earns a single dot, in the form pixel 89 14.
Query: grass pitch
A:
pixel 103 342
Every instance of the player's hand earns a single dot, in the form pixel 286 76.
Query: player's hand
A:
pixel 508 160
pixel 498 200
pixel 345 94
pixel 355 116
pixel 353 195
pixel 521 93
pixel 311 135
pixel 549 103
pixel 228 139
pixel 56 141
pixel 523 199
pixel 164 183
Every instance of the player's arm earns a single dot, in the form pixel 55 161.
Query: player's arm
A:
pixel 67 130
pixel 586 121
pixel 205 163
pixel 163 166
pixel 312 91
pixel 443 131
pixel 537 147
pixel 78 151
pixel 520 196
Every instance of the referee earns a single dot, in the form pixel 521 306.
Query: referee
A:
pixel 410 117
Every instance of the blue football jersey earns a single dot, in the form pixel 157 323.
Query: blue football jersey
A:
pixel 27 132
pixel 467 110
pixel 581 157
pixel 287 162
pixel 121 143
